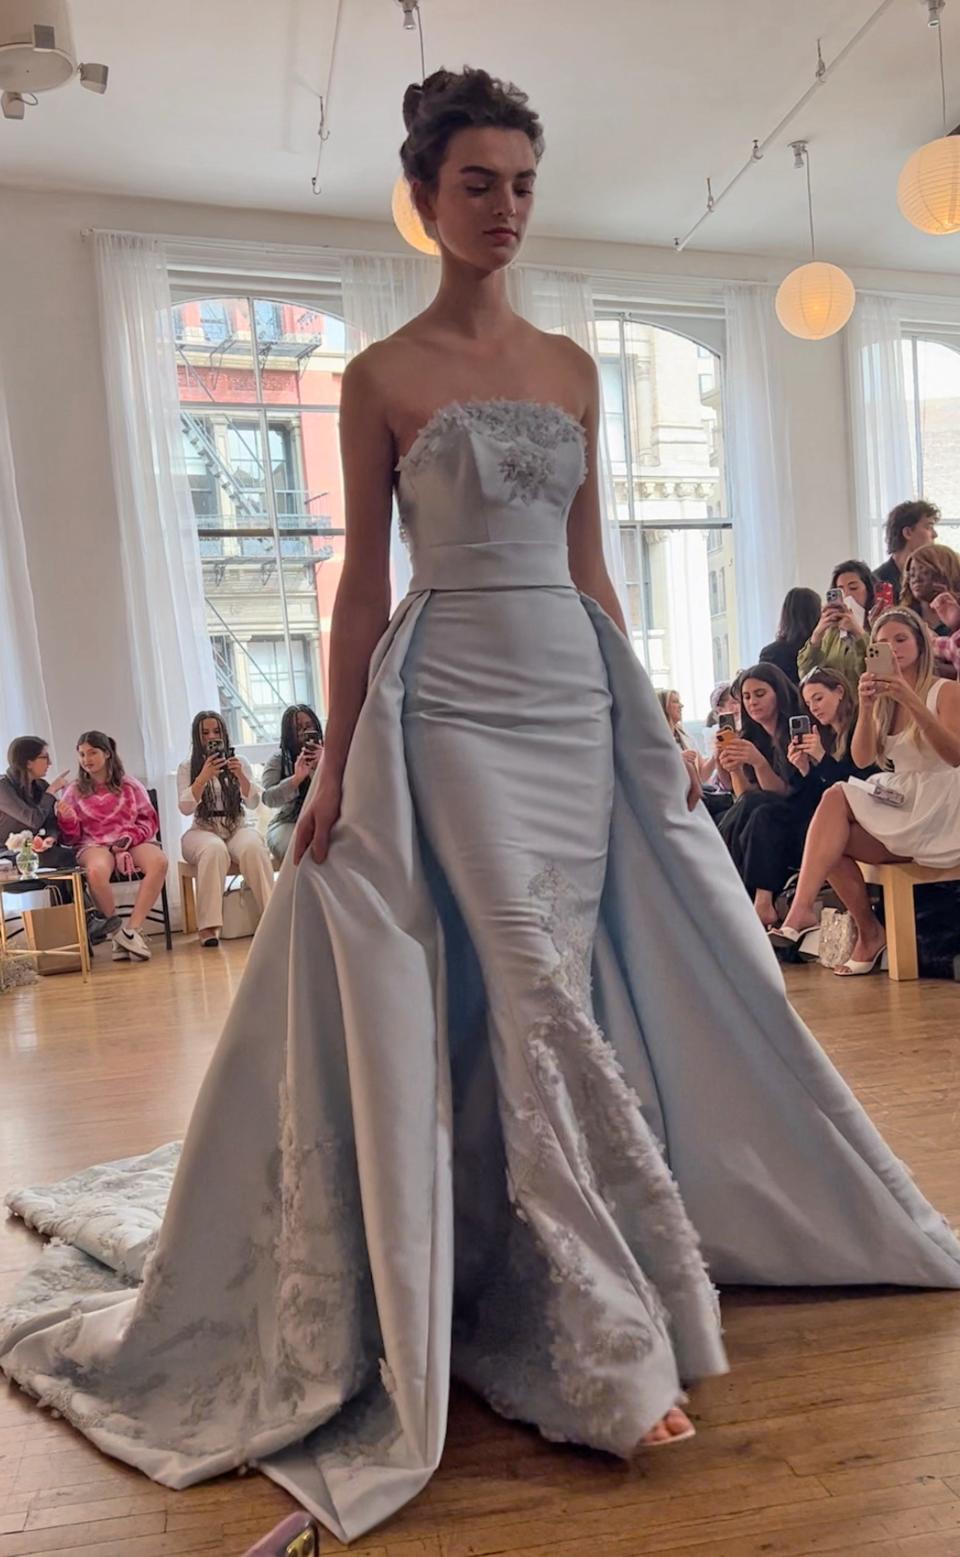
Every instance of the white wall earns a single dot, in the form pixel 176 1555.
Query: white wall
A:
pixel 50 357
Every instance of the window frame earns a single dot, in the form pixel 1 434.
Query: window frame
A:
pixel 260 413
pixel 914 336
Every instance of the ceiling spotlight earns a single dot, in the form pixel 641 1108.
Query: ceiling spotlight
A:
pixel 934 7
pixel 410 9
pixel 37 54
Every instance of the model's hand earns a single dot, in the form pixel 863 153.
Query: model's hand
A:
pixel 317 820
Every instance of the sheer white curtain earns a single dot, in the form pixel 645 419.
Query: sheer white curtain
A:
pixel 879 417
pixel 23 700
pixel 562 302
pixel 758 464
pixel 172 667
pixel 381 293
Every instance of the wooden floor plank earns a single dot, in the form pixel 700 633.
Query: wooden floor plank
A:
pixel 838 1430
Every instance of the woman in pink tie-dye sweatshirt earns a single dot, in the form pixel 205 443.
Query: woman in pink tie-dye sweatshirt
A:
pixel 107 817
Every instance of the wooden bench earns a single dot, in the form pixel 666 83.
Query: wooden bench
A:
pixel 897 883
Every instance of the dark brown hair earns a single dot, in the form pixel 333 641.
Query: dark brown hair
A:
pixel 448 102
pixel 231 798
pixel 799 615
pixel 788 705
pixel 114 765
pixel 904 517
pixel 26 748
pixel 835 742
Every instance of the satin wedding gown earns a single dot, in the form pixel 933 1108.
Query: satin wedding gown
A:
pixel 477 1058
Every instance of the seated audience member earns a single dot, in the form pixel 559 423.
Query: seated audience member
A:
pixel 798 619
pixel 287 775
pixel 840 638
pixel 946 650
pixel 29 800
pixel 673 713
pixel 215 787
pixel 909 526
pixel 932 571
pixel 823 757
pixel 723 700
pixel 765 827
pixel 107 817
pixel 908 724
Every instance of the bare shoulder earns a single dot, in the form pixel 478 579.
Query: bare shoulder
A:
pixel 949 696
pixel 573 366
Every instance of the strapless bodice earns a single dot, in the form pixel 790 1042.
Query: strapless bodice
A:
pixel 484 494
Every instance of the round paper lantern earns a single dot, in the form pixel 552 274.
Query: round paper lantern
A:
pixel 407 219
pixel 928 191
pixel 815 300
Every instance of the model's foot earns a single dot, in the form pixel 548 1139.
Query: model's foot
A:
pixel 676 1424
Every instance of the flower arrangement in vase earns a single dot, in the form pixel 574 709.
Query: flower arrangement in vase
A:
pixel 28 848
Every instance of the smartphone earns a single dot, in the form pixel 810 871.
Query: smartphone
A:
pixel 885 595
pixel 312 738
pixel 297 1536
pixel 726 728
pixel 880 659
pixel 835 597
pixel 800 726
pixel 214 748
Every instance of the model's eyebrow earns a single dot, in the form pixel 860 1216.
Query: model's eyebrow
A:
pixel 492 173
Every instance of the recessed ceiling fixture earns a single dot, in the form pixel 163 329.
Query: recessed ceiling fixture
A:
pixel 37 54
pixel 928 190
pixel 816 299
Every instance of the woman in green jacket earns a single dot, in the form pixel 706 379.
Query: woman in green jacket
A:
pixel 839 640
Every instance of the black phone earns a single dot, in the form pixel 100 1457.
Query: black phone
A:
pixel 800 725
pixel 312 738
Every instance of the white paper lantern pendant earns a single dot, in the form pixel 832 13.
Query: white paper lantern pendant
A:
pixel 928 189
pixel 816 299
pixel 407 219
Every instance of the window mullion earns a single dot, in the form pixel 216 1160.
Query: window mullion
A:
pixel 917 415
pixel 271 499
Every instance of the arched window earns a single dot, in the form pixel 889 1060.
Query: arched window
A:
pixel 259 385
pixel 663 418
pixel 932 381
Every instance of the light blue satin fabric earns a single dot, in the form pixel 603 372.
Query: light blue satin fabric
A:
pixel 436 1131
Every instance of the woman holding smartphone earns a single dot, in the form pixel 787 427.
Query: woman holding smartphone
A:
pixel 909 723
pixel 287 775
pixel 839 640
pixel 765 827
pixel 820 741
pixel 216 787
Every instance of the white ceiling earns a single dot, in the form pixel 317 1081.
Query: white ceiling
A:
pixel 216 101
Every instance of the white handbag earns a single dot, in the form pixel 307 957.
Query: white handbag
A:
pixel 240 915
pixel 838 937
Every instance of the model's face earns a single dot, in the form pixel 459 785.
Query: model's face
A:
pixel 906 650
pixel 923 533
pixel 92 760
pixel 852 584
pixel 822 702
pixel 39 767
pixel 210 731
pixel 924 579
pixel 674 708
pixel 484 196
pixel 760 702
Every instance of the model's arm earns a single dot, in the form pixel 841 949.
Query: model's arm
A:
pixel 362 607
pixel 585 526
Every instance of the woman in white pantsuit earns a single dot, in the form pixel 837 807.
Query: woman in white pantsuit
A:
pixel 215 787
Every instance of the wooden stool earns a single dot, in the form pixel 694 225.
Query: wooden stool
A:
pixel 897 883
pixel 188 897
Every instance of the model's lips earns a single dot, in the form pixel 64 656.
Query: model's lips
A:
pixel 500 232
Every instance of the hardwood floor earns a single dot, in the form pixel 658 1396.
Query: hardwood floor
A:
pixel 838 1430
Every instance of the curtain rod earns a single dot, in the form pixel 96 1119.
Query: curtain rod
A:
pixel 669 280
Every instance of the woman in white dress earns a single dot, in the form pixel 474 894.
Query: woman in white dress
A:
pixel 909 724
pixel 510 1030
